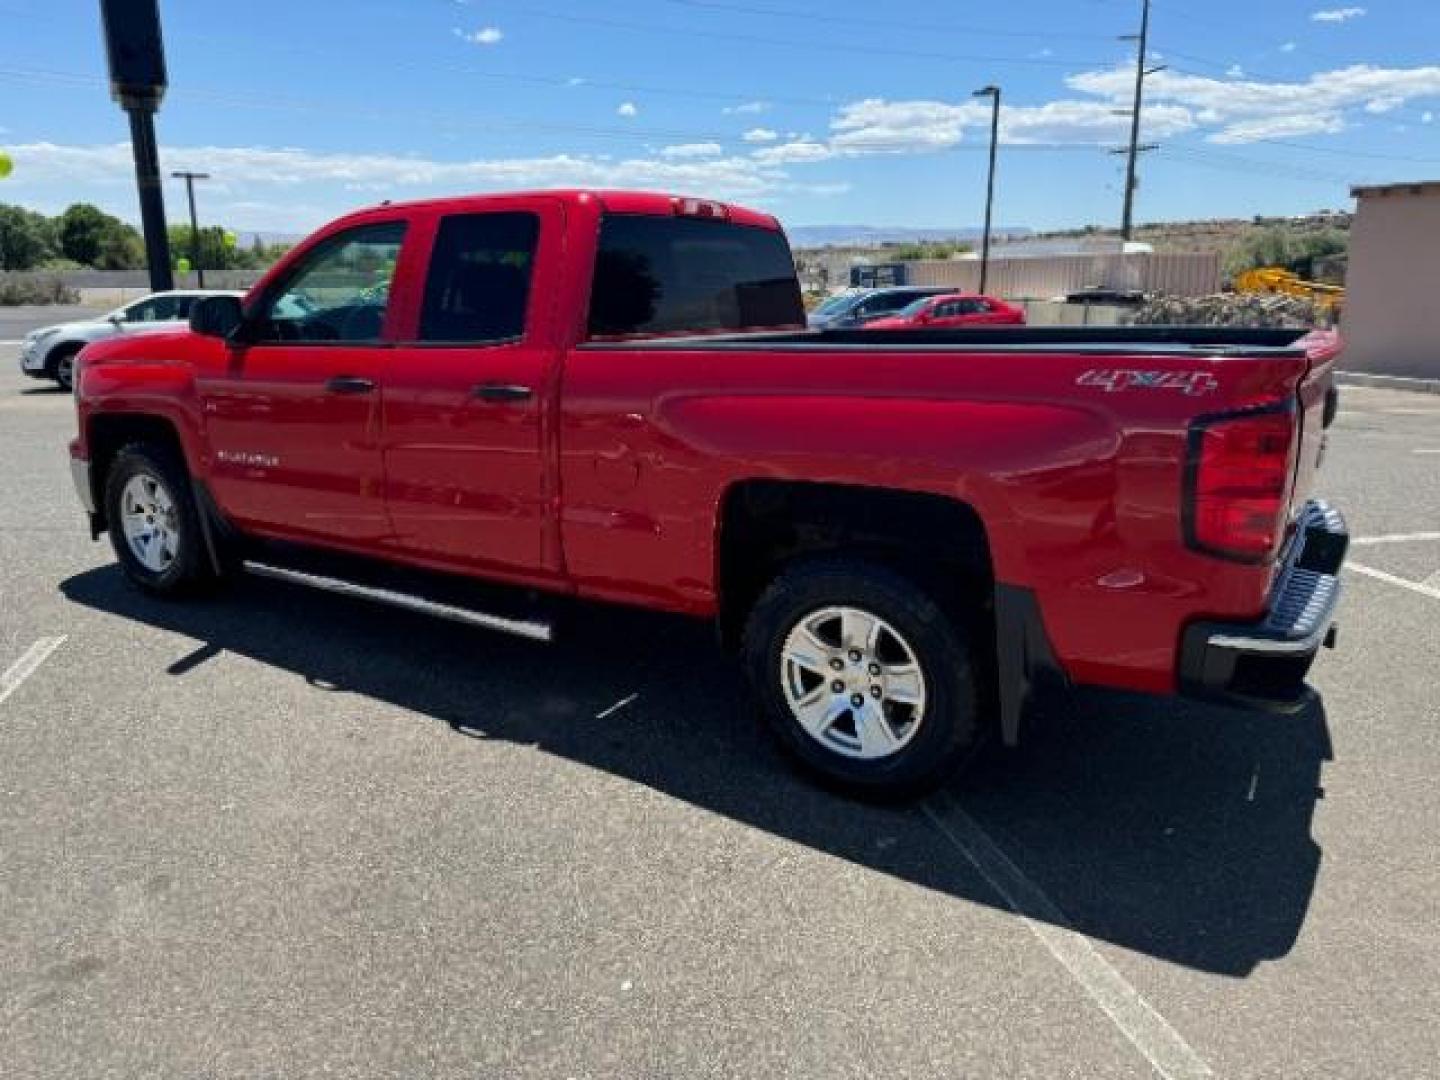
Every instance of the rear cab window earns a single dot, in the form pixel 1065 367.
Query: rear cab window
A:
pixel 677 275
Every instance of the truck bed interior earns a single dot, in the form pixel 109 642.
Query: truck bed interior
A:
pixel 1108 340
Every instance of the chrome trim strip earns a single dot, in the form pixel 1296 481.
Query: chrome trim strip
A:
pixel 535 631
pixel 80 475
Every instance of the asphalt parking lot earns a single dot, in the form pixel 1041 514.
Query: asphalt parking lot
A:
pixel 283 834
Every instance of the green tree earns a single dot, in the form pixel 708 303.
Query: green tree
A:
pixel 27 239
pixel 82 229
pixel 89 236
pixel 121 249
pixel 215 253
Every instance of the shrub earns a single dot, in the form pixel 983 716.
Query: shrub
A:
pixel 36 290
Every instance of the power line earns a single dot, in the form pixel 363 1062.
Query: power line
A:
pixel 759 39
pixel 827 18
pixel 518 124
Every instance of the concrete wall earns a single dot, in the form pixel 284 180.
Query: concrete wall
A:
pixel 1391 322
pixel 1056 275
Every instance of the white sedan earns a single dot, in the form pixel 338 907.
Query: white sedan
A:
pixel 49 353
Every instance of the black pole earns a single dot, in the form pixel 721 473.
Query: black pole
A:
pixel 1128 222
pixel 994 93
pixel 152 198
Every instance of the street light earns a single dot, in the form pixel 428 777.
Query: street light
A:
pixel 993 93
pixel 190 178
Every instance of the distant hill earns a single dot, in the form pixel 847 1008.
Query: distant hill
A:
pixel 869 236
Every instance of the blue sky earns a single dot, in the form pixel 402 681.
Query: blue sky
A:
pixel 838 113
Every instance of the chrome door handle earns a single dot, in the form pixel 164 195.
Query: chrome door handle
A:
pixel 349 384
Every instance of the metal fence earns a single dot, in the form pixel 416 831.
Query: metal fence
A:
pixel 1056 275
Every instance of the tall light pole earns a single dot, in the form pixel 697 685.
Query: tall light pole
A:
pixel 993 93
pixel 190 178
pixel 1142 40
pixel 136 55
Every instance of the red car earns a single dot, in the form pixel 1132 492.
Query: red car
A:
pixel 956 309
pixel 910 539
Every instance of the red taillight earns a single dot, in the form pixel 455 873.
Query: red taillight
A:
pixel 1239 484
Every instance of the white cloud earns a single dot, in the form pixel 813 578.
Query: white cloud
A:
pixel 1338 15
pixel 1240 108
pixel 790 153
pixel 749 108
pixel 1235 71
pixel 627 108
pixel 575 80
pixel 693 150
pixel 760 135
pixel 879 126
pixel 1288 47
pixel 1427 117
pixel 291 188
pixel 486 35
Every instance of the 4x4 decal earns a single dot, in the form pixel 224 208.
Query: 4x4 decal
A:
pixel 1112 380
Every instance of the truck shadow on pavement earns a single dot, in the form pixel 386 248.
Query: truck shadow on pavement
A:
pixel 1175 830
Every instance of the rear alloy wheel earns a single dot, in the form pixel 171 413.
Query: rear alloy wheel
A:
pixel 853 683
pixel 863 678
pixel 153 524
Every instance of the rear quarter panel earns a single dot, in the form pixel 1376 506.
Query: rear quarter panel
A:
pixel 1078 486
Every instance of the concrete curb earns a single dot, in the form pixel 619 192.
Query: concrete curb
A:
pixel 1388 382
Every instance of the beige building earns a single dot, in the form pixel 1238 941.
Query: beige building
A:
pixel 1391 322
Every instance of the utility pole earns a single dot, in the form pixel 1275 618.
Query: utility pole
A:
pixel 190 178
pixel 992 92
pixel 1136 149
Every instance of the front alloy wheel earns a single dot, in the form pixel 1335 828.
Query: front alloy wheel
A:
pixel 147 516
pixel 153 522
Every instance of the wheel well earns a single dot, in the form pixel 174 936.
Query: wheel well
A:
pixel 109 433
pixel 59 350
pixel 938 541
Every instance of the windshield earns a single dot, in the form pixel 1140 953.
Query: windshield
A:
pixel 910 310
pixel 836 304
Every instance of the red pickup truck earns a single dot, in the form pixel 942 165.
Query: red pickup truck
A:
pixel 911 538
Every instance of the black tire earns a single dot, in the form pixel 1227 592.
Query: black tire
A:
pixel 62 365
pixel 189 569
pixel 950 728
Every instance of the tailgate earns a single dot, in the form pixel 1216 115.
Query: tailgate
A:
pixel 1315 404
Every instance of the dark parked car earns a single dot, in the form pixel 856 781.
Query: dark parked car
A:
pixel 859 306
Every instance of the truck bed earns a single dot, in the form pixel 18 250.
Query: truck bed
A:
pixel 1217 341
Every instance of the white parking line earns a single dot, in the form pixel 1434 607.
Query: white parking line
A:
pixel 1147 1030
pixel 1395 538
pixel 1404 583
pixel 28 664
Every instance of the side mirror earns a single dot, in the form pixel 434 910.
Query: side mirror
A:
pixel 115 318
pixel 217 316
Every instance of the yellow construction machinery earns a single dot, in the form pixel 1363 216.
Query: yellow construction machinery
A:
pixel 1276 279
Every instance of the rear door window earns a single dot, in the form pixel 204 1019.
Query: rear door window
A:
pixel 659 275
pixel 478 286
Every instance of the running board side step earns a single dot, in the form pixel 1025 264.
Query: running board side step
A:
pixel 525 628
